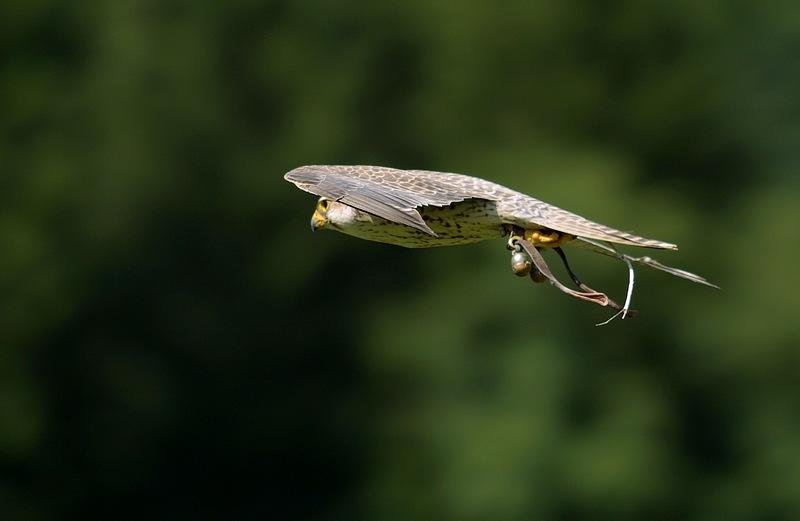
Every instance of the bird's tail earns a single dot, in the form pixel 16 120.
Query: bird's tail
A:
pixel 605 249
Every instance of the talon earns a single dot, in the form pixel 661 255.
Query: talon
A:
pixel 547 238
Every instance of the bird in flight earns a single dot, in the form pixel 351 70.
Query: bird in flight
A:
pixel 422 209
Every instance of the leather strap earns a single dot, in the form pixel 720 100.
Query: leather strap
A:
pixel 588 294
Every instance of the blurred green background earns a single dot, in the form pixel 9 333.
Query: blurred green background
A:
pixel 176 344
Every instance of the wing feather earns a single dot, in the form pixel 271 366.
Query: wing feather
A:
pixel 643 261
pixel 568 222
pixel 392 194
pixel 397 194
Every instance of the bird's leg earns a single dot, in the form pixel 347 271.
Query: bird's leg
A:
pixel 546 237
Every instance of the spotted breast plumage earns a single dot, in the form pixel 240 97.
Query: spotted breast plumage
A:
pixel 420 209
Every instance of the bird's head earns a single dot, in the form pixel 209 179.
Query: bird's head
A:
pixel 334 214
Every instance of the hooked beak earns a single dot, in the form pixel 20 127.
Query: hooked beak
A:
pixel 317 221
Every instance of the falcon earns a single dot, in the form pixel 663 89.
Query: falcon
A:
pixel 423 209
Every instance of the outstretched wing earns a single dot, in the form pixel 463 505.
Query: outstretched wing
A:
pixel 392 194
pixel 526 210
pixel 396 194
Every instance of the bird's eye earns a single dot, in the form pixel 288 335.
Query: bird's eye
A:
pixel 323 205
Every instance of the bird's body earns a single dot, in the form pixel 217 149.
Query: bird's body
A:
pixel 437 204
pixel 468 221
pixel 421 209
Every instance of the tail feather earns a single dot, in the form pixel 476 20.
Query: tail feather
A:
pixel 598 247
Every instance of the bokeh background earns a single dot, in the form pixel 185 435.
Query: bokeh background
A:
pixel 176 344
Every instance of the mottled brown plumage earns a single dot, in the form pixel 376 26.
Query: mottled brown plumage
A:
pixel 418 208
pixel 398 195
